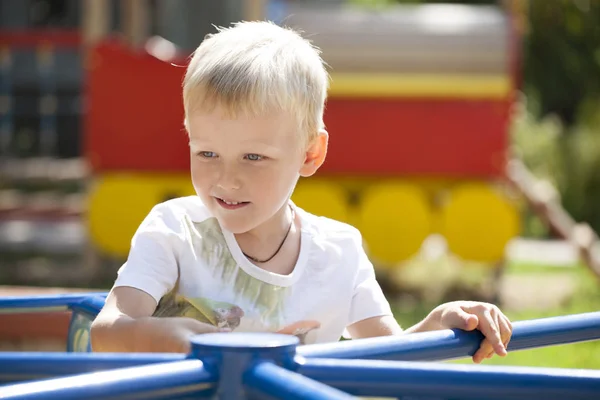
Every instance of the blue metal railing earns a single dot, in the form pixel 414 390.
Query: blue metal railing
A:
pixel 451 344
pixel 253 365
pixel 57 301
pixel 84 308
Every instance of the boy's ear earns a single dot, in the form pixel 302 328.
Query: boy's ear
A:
pixel 315 154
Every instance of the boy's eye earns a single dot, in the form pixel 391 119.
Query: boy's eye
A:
pixel 254 157
pixel 207 154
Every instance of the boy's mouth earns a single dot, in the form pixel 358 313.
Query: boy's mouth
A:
pixel 231 205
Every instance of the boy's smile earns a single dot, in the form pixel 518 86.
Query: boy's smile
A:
pixel 230 204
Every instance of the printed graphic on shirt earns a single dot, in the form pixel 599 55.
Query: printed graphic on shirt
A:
pixel 216 313
pixel 251 303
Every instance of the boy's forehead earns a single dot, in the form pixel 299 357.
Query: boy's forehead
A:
pixel 266 127
pixel 228 112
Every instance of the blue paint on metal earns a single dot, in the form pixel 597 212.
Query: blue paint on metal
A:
pixel 231 354
pixel 84 313
pixel 266 378
pixel 46 301
pixel 406 378
pixel 85 307
pixel 90 304
pixel 19 366
pixel 157 381
pixel 451 344
pixel 271 345
pixel 262 365
pixel 78 337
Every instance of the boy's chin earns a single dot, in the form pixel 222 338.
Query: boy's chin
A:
pixel 234 226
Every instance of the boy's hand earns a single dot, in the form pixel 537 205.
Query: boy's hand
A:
pixel 487 318
pixel 173 334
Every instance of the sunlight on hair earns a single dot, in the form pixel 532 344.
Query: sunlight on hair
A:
pixel 254 68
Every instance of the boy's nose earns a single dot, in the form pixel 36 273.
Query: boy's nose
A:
pixel 228 180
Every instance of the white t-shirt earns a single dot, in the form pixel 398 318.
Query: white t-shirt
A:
pixel 192 267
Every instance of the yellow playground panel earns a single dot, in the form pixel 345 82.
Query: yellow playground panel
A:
pixel 394 216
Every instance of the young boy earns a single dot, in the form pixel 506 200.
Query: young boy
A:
pixel 240 256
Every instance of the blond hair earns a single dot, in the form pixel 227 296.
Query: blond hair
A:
pixel 254 68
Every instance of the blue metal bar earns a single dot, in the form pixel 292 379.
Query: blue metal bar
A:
pixel 79 335
pixel 450 344
pixel 271 380
pixel 83 314
pixel 404 378
pixel 158 381
pixel 18 366
pixel 46 301
pixel 232 354
pixel 91 305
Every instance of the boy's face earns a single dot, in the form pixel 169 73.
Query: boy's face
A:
pixel 245 169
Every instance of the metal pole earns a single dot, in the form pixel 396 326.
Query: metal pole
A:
pixel 186 22
pixel 6 111
pixel 254 10
pixel 230 356
pixel 403 378
pixel 96 22
pixel 544 200
pixel 83 314
pixel 48 105
pixel 49 301
pixel 136 22
pixel 450 344
pixel 165 380
pixel 20 366
pixel 274 381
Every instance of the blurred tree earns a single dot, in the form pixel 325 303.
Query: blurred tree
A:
pixel 562 55
pixel 562 74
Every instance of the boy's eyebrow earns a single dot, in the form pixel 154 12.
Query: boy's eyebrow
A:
pixel 197 144
pixel 192 145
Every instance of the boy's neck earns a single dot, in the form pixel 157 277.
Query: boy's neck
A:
pixel 262 241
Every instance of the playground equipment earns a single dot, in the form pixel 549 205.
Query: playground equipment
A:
pixel 244 365
pixel 418 121
pixel 424 113
pixel 543 198
pixel 40 110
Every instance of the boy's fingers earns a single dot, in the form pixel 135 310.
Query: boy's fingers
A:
pixel 464 320
pixel 503 333
pixel 505 330
pixel 490 329
pixel 483 351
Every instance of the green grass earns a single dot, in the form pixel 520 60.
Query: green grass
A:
pixel 585 299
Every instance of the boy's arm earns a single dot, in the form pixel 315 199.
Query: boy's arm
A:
pixel 387 325
pixel 465 315
pixel 125 324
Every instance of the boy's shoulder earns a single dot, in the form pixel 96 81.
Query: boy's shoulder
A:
pixel 328 229
pixel 177 208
